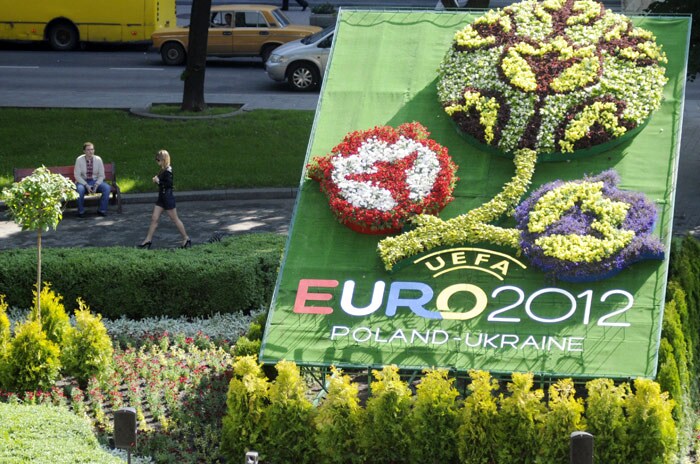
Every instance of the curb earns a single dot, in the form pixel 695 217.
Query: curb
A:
pixel 145 112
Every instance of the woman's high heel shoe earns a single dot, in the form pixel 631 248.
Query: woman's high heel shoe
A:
pixel 146 245
pixel 187 244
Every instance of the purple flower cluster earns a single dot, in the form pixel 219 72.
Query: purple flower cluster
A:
pixel 640 218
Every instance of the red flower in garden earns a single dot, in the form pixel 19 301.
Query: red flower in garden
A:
pixel 375 180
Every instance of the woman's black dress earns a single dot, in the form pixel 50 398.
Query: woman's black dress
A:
pixel 166 199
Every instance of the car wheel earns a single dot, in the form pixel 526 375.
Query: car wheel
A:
pixel 173 53
pixel 63 36
pixel 266 52
pixel 303 76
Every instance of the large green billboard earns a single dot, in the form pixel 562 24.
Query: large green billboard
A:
pixel 471 305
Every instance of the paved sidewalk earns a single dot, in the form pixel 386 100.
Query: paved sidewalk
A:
pixel 204 215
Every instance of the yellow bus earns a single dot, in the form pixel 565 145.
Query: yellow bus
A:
pixel 67 23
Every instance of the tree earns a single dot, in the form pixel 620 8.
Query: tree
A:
pixel 36 203
pixel 685 6
pixel 193 94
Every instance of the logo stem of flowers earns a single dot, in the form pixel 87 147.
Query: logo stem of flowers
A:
pixel 471 227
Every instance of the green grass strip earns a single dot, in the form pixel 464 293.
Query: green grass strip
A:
pixel 262 148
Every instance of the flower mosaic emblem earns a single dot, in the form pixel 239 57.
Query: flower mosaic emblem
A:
pixel 536 81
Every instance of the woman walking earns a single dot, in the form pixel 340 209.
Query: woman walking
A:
pixel 166 201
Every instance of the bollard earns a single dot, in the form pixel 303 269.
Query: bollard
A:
pixel 581 448
pixel 125 430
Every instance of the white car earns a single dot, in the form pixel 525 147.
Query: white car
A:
pixel 301 62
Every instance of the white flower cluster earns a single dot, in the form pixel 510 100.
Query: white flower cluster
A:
pixel 420 177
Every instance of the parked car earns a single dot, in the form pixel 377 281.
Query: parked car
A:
pixel 302 63
pixel 235 30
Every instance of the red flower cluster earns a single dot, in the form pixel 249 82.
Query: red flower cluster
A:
pixel 388 175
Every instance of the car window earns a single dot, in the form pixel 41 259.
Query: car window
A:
pixel 326 43
pixel 281 19
pixel 316 36
pixel 222 19
pixel 250 19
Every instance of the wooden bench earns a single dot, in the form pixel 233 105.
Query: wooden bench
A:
pixel 67 171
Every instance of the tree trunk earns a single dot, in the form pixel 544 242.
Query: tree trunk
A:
pixel 38 275
pixel 193 94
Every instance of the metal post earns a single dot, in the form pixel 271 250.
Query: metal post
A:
pixel 581 448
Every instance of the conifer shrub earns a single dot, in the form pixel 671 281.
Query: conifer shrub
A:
pixel 339 421
pixel 246 347
pixel 651 435
pixel 605 418
pixel 476 435
pixel 32 361
pixel 87 351
pixel 563 417
pixel 4 326
pixel 434 419
pixel 384 437
pixel 53 317
pixel 289 418
pixel 247 398
pixel 519 421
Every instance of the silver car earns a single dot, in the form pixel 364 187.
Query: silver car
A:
pixel 301 62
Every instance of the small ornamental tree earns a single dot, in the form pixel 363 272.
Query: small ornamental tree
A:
pixel 36 203
pixel 246 401
pixel 434 419
pixel 385 436
pixel 605 418
pixel 563 417
pixel 519 421
pixel 476 435
pixel 339 421
pixel 4 325
pixel 289 418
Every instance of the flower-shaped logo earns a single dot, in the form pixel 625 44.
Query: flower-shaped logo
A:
pixel 587 229
pixel 549 66
pixel 376 179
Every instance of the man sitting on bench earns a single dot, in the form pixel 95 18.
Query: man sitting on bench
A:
pixel 89 176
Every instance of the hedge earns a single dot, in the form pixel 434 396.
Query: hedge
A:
pixel 679 352
pixel 632 423
pixel 236 274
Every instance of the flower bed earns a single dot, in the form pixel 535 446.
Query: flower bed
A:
pixel 587 229
pixel 375 180
pixel 557 77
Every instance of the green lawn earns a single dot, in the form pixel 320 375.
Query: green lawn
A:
pixel 262 148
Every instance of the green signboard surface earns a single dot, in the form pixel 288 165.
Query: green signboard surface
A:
pixel 335 304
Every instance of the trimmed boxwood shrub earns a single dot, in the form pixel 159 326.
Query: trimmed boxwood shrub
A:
pixel 236 274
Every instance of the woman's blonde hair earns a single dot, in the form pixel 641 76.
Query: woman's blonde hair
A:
pixel 163 156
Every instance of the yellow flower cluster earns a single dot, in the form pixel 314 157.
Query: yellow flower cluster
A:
pixel 584 248
pixel 615 33
pixel 487 108
pixel 518 71
pixel 580 74
pixel 589 9
pixel 602 113
pixel 577 76
pixel 469 38
pixel 578 248
pixel 471 227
